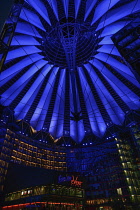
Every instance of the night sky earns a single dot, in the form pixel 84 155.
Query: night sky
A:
pixel 4 11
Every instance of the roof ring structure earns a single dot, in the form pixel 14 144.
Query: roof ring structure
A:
pixel 69 36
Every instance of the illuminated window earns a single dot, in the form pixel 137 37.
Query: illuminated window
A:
pixel 119 191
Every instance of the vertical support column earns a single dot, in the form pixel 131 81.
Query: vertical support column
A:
pixel 70 51
pixel 73 82
pixel 9 30
pixel 69 35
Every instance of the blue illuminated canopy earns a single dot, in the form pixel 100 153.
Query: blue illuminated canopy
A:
pixel 63 72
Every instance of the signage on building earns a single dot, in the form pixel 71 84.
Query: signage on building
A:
pixel 73 180
pixel 76 182
pixel 64 179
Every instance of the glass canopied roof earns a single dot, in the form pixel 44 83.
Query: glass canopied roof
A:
pixel 63 73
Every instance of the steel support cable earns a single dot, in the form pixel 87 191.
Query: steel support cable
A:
pixel 104 23
pixel 55 59
pixel 33 61
pixel 56 55
pixel 127 94
pixel 102 27
pixel 85 88
pixel 10 38
pixel 108 58
pixel 89 112
pixel 92 112
pixel 113 45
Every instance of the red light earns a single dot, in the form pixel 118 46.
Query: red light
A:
pixel 25 204
pixel 76 182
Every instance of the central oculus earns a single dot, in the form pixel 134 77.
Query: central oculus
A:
pixel 70 44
